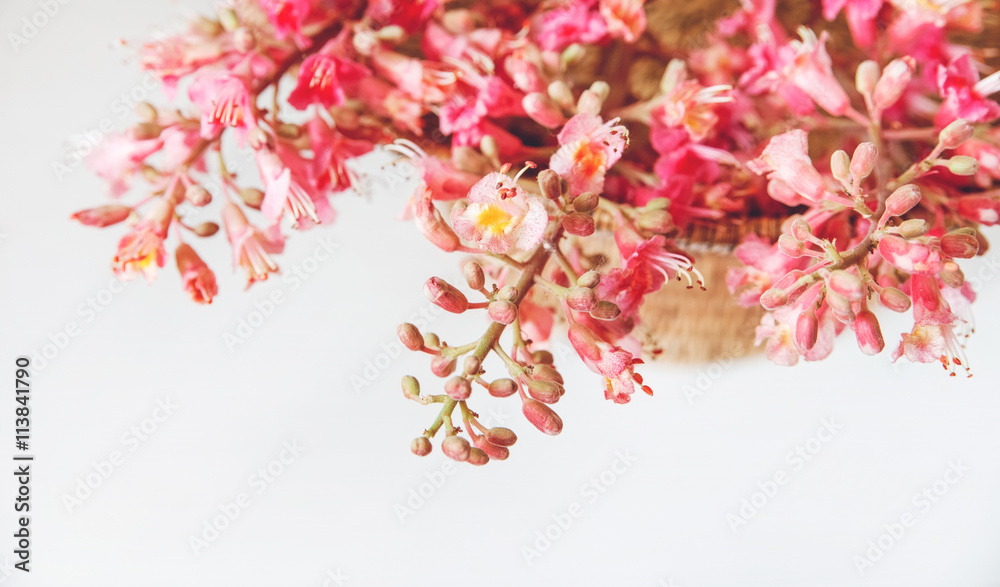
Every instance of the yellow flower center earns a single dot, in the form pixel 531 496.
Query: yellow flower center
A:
pixel 494 219
pixel 586 160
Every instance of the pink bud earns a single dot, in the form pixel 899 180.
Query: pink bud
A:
pixel 773 298
pixel 806 330
pixel 543 110
pixel 846 284
pixel 458 388
pixel 197 195
pixel 474 275
pixel 586 202
pixel 542 358
pixel 589 279
pixel 840 167
pixel 955 134
pixel 420 446
pixel 959 244
pixel 800 229
pixel 952 275
pixel 501 436
pixel 456 447
pixel 863 161
pixel 442 366
pixel 502 312
pixel 252 197
pixel 546 373
pixel 893 82
pixel 498 453
pixel 410 336
pixel 507 293
pixel 902 200
pixel 472 365
pixel 503 387
pixel 578 224
pixel 913 228
pixel 868 333
pixel 411 387
pixel 547 392
pixel 102 216
pixel 581 299
pixel 542 417
pixel 866 77
pixel 656 220
pixel 791 246
pixel 550 184
pixel 840 307
pixel 477 457
pixel 605 310
pixel 894 299
pixel 445 295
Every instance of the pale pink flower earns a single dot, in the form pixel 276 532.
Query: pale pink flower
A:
pixel 588 147
pixel 574 22
pixel 198 279
pixel 626 19
pixel 141 250
pixel 613 362
pixel 287 17
pixel 965 95
pixel 811 70
pixel 119 157
pixel 252 249
pixel 224 101
pixel 431 223
pixel 102 216
pixel 321 80
pixel 288 190
pixel 860 17
pixel 786 159
pixel 686 103
pixel 501 216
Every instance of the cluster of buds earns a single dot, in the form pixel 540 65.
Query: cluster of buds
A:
pixel 639 139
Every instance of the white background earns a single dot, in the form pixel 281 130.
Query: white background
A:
pixel 334 510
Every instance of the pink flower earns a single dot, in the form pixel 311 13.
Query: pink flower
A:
pixel 409 14
pixel 688 104
pixel 285 191
pixel 252 249
pixel 119 157
pixel 102 216
pixel 965 95
pixel 431 223
pixel 911 257
pixel 331 152
pixel 778 328
pixel 613 362
pixel 321 81
pixel 287 17
pixel 501 216
pixel 811 71
pixel 860 17
pixel 933 337
pixel 224 101
pixel 559 28
pixel 588 147
pixel 141 250
pixel 786 159
pixel 198 279
pixel 626 19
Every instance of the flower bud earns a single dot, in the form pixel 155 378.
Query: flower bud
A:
pixel 846 284
pixel 546 373
pixel 902 200
pixel 800 229
pixel 543 110
pixel 145 131
pixel 959 244
pixel 806 330
pixel 590 279
pixel 656 220
pixel 498 453
pixel 252 197
pixel 431 340
pixel 868 333
pixel 501 436
pixel 956 133
pixel 542 417
pixel 542 358
pixel 891 85
pixel 866 77
pixel 952 275
pixel 458 388
pixel 244 40
pixel 560 93
pixel 840 307
pixel 146 112
pixel 410 336
pixel 894 299
pixel 474 276
pixel 102 216
pixel 773 298
pixel 507 293
pixel 605 310
pixel 456 447
pixel 586 202
pixel 477 457
pixel 489 147
pixel 445 295
pixel 289 131
pixel 791 246
pixel 550 184
pixel 590 102
pixel 578 224
pixel 547 392
pixel 503 387
pixel 840 167
pixel 913 228
pixel 502 312
pixel 420 446
pixel 961 165
pixel 411 387
pixel 205 229
pixel 472 365
pixel 581 299
pixel 863 161
pixel 442 366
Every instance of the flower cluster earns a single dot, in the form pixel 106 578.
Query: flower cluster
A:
pixel 879 185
